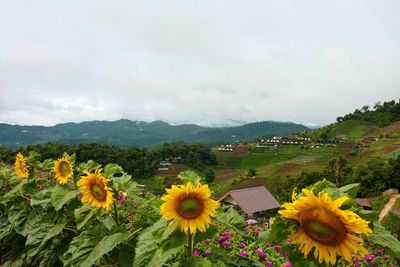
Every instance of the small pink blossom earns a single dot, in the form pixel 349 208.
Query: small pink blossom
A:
pixel 196 253
pixel 244 253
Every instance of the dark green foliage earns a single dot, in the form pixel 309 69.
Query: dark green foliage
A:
pixel 251 172
pixel 210 176
pixel 7 155
pixel 374 177
pixel 391 223
pixel 139 162
pixel 382 114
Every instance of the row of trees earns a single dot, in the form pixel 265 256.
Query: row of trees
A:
pixel 381 114
pixel 139 162
pixel 375 177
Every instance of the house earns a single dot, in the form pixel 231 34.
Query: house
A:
pixel 253 202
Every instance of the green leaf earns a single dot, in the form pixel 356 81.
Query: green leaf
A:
pixel 111 169
pixel 382 237
pixel 281 229
pixel 263 237
pixel 350 189
pixel 189 176
pixel 89 166
pixel 103 247
pixel 80 248
pixel 40 234
pixel 18 216
pixel 61 195
pixel 368 215
pixel 151 239
pixel 83 215
pixel 126 184
pixel 41 198
pixel 172 246
pixel 321 186
pixel 230 217
pixel 5 229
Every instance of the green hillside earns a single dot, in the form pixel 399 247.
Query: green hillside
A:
pixel 140 134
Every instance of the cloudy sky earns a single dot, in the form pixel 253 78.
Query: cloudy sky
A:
pixel 205 62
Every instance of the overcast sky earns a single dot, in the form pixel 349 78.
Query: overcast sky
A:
pixel 205 62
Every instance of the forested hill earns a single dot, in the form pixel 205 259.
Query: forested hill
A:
pixel 136 133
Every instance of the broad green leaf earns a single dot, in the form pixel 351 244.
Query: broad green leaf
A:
pixel 111 169
pixel 350 189
pixel 18 216
pixel 83 215
pixel 80 248
pixel 321 186
pixel 189 176
pixel 230 217
pixel 172 246
pixel 281 229
pixel 263 237
pixel 5 229
pixel 61 195
pixel 382 237
pixel 126 184
pixel 89 166
pixel 368 215
pixel 103 247
pixel 150 240
pixel 41 198
pixel 39 236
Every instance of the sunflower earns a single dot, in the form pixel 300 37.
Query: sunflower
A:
pixel 95 190
pixel 323 225
pixel 63 169
pixel 189 205
pixel 20 166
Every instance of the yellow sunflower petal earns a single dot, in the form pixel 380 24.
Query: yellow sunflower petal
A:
pixel 191 205
pixel 95 191
pixel 323 225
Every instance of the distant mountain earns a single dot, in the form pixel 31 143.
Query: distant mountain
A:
pixel 137 133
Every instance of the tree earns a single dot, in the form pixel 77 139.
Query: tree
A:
pixel 210 176
pixel 252 172
pixel 339 169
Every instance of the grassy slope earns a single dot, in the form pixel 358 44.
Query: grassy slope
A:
pixel 291 160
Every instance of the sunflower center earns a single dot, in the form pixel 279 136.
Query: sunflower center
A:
pixel 190 208
pixel 325 228
pixel 65 169
pixel 98 192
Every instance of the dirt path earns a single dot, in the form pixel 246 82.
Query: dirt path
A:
pixel 388 206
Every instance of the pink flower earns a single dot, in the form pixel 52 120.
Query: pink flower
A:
pixel 242 245
pixel 207 251
pixel 225 244
pixel 356 262
pixel 267 245
pixel 196 253
pixel 386 257
pixel 244 253
pixel 261 253
pixel 277 247
pixel 287 264
pixel 369 257
pixel 268 263
pixel 380 251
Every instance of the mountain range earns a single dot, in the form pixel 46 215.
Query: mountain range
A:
pixel 138 133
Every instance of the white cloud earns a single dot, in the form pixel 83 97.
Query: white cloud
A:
pixel 206 62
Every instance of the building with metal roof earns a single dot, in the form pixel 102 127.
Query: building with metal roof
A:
pixel 251 200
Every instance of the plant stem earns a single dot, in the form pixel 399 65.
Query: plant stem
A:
pixel 116 214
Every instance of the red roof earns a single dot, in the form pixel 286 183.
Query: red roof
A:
pixel 254 199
